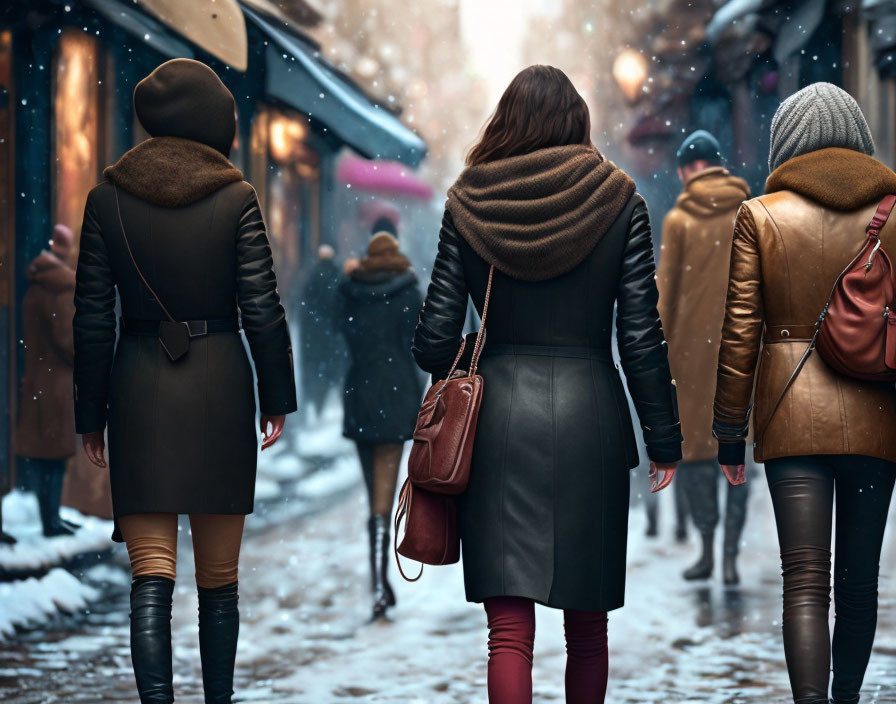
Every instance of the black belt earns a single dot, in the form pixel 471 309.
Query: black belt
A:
pixel 198 328
pixel 602 354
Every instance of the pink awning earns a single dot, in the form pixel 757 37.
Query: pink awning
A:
pixel 386 177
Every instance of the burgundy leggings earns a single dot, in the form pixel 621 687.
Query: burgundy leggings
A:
pixel 511 623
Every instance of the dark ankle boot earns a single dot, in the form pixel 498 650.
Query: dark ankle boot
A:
pixel 49 495
pixel 151 638
pixel 219 629
pixel 702 569
pixel 383 596
pixel 729 569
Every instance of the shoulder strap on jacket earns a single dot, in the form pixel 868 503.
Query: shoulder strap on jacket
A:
pixel 134 261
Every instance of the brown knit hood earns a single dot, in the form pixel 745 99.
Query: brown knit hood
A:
pixel 538 215
pixel 711 192
pixel 172 172
pixel 841 179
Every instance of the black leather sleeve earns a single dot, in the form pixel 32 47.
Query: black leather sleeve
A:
pixel 642 348
pixel 93 326
pixel 262 315
pixel 438 334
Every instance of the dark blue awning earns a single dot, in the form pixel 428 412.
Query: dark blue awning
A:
pixel 298 75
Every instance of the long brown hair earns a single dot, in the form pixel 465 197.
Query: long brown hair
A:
pixel 540 108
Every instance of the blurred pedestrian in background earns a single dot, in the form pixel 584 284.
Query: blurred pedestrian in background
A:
pixel 323 357
pixel 45 435
pixel 179 234
pixel 693 280
pixel 378 313
pixel 545 516
pixel 831 434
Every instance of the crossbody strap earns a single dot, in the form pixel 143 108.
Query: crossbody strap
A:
pixel 480 336
pixel 881 215
pixel 134 261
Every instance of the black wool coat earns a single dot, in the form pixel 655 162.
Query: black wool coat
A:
pixel 383 389
pixel 546 512
pixel 182 435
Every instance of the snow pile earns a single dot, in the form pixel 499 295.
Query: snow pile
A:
pixel 34 552
pixel 29 602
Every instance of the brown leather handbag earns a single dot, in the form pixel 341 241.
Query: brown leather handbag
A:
pixel 439 462
pixel 855 334
pixel 446 425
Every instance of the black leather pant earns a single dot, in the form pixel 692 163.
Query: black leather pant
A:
pixel 701 484
pixel 802 490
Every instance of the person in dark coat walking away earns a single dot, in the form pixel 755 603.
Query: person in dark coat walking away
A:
pixel 323 358
pixel 693 279
pixel 176 230
pixel 378 313
pixel 544 519
pixel 45 434
pixel 830 434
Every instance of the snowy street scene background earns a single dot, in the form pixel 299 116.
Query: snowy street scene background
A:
pixel 350 113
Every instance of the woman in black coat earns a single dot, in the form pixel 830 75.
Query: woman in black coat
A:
pixel 179 234
pixel 545 516
pixel 380 303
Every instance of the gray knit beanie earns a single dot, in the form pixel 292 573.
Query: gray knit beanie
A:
pixel 817 117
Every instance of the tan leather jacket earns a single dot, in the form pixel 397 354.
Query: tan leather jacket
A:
pixel 692 279
pixel 789 247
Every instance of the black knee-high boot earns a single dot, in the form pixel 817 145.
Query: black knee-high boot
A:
pixel 380 546
pixel 219 629
pixel 151 638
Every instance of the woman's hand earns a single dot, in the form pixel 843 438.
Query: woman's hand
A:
pixel 271 428
pixel 94 446
pixel 735 473
pixel 668 469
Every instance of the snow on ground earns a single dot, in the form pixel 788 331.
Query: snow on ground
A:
pixel 33 552
pixel 306 639
pixel 29 602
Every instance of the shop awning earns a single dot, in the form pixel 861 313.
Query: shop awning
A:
pixel 217 27
pixel 385 177
pixel 132 20
pixel 297 75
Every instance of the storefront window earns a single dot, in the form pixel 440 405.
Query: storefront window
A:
pixel 286 172
pixel 76 113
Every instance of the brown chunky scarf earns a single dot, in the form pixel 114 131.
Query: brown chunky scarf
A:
pixel 172 172
pixel 538 215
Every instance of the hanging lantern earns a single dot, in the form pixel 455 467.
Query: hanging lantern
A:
pixel 630 72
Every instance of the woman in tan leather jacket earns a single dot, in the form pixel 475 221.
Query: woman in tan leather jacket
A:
pixel 831 433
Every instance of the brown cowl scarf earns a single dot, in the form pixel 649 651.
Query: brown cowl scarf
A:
pixel 172 172
pixel 538 215
pixel 841 179
pixel 384 260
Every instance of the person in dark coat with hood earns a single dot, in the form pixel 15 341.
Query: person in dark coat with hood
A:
pixel 179 233
pixel 378 313
pixel 544 518
pixel 45 434
pixel 323 357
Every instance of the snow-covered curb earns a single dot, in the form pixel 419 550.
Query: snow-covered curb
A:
pixel 33 552
pixel 30 602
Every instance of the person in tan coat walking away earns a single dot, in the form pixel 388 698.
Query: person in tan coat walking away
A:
pixel 692 279
pixel 831 434
pixel 45 435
